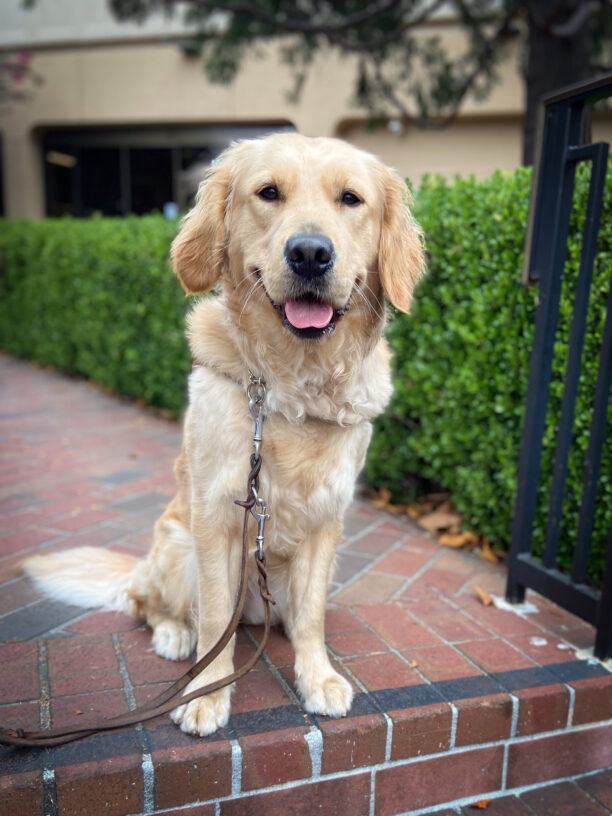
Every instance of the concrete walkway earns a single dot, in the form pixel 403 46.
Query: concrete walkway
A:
pixel 455 702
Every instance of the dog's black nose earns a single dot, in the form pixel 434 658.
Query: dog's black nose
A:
pixel 309 256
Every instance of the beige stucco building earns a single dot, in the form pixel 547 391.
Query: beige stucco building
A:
pixel 124 119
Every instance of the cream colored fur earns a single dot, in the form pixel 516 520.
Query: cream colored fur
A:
pixel 321 396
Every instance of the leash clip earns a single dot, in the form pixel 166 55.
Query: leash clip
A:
pixel 256 409
pixel 256 392
pixel 258 511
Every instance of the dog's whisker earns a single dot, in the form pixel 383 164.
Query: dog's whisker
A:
pixel 258 284
pixel 379 302
pixel 247 280
pixel 365 299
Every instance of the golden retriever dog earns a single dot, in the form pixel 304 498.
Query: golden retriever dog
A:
pixel 302 237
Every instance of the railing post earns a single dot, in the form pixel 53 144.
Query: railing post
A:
pixel 553 202
pixel 603 638
pixel 545 255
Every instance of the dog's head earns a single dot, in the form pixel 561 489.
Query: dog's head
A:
pixel 306 229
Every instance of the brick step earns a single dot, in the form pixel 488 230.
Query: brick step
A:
pixel 406 748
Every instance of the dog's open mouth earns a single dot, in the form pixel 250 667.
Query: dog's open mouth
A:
pixel 308 316
pixel 304 313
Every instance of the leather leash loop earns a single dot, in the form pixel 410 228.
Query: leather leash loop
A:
pixel 260 560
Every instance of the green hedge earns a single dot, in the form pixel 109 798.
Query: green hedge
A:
pixel 462 360
pixel 97 298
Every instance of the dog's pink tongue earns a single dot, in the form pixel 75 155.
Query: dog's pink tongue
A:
pixel 306 314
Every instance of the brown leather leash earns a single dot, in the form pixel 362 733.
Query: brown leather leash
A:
pixel 166 702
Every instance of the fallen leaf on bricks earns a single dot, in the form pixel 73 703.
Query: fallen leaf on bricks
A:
pixel 481 804
pixel 432 522
pixel 413 664
pixel 459 540
pixel 486 551
pixel 383 501
pixel 454 541
pixel 483 596
pixel 383 498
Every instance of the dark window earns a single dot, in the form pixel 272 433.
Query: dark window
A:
pixel 133 170
pixel 100 181
pixel 151 179
pixel 61 175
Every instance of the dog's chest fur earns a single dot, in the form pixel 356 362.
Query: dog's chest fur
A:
pixel 309 466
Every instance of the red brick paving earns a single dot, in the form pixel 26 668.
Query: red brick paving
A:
pixel 276 757
pixel 452 698
pixel 421 731
pixel 428 782
pixel 353 742
pixel 484 719
pixel 599 787
pixel 545 708
pixel 593 700
pixel 439 662
pixel 382 671
pixel 565 799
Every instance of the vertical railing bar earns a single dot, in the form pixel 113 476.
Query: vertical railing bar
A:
pixel 603 637
pixel 597 436
pixel 543 348
pixel 572 372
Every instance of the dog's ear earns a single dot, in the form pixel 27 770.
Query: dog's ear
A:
pixel 198 251
pixel 401 255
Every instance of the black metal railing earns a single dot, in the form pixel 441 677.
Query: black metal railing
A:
pixel 545 255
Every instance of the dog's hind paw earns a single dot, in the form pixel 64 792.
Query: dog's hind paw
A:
pixel 332 697
pixel 204 715
pixel 173 640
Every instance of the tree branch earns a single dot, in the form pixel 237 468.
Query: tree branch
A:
pixel 578 19
pixel 337 33
pixel 295 25
pixel 503 33
pixel 363 46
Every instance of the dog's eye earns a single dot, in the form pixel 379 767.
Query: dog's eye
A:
pixel 269 193
pixel 350 199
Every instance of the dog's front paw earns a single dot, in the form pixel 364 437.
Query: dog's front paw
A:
pixel 205 714
pixel 332 696
pixel 173 639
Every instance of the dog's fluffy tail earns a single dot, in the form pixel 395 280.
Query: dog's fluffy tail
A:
pixel 85 576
